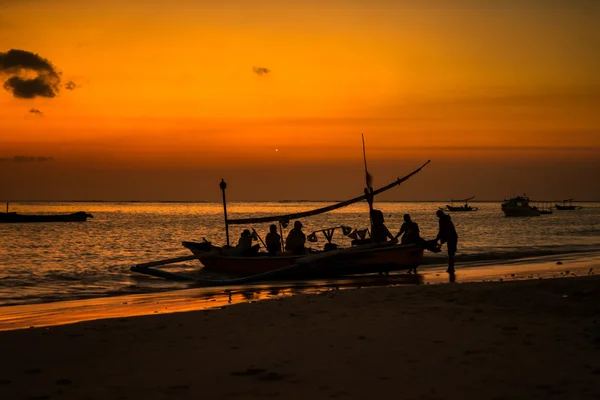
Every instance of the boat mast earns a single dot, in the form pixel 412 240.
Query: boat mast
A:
pixel 368 181
pixel 223 186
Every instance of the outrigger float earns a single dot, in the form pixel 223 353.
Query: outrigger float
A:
pixel 363 257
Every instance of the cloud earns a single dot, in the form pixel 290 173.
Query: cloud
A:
pixel 26 159
pixel 70 85
pixel 17 64
pixel 36 111
pixel 260 71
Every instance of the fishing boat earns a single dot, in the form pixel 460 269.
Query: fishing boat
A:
pixel 519 207
pixel 465 207
pixel 567 205
pixel 13 217
pixel 365 256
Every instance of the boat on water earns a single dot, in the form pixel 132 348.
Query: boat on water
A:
pixel 519 207
pixel 567 205
pixel 465 207
pixel 364 256
pixel 13 217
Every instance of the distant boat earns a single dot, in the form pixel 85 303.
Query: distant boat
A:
pixel 13 217
pixel 519 207
pixel 465 207
pixel 567 205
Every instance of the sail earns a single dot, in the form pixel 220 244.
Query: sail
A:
pixel 304 214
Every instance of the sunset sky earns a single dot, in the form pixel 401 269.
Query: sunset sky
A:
pixel 159 100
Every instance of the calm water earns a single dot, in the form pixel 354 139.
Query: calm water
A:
pixel 59 261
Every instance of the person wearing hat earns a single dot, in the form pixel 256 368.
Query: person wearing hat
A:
pixel 296 239
pixel 245 241
pixel 447 234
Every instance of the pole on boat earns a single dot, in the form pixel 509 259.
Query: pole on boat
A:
pixel 281 237
pixel 7 207
pixel 223 186
pixel 368 181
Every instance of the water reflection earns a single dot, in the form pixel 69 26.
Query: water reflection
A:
pixel 50 262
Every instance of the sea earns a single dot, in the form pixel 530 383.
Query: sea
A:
pixel 45 262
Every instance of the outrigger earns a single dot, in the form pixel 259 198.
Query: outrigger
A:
pixel 363 257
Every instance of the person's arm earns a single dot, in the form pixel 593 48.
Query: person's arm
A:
pixel 402 230
pixel 388 234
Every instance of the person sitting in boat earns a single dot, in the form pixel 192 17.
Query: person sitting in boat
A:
pixel 273 240
pixel 296 239
pixel 245 244
pixel 410 229
pixel 379 232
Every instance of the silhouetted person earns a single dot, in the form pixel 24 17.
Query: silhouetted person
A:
pixel 273 240
pixel 245 243
pixel 409 231
pixel 296 239
pixel 447 234
pixel 379 232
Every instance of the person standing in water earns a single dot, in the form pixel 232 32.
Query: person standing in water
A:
pixel 447 234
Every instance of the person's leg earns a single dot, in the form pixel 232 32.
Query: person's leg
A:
pixel 451 252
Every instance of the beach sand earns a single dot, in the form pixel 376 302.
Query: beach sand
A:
pixel 530 339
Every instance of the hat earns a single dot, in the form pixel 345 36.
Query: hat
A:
pixel 297 224
pixel 246 232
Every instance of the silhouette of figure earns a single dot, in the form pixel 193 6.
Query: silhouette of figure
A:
pixel 245 243
pixel 273 240
pixel 447 234
pixel 379 232
pixel 296 239
pixel 410 229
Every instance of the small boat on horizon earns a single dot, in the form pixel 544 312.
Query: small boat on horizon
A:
pixel 567 205
pixel 465 207
pixel 519 207
pixel 14 217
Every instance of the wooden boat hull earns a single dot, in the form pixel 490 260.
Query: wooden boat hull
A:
pixel 13 217
pixel 567 208
pixel 457 209
pixel 354 260
pixel 521 211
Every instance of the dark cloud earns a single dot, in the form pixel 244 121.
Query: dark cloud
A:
pixel 260 71
pixel 26 159
pixel 36 111
pixel 70 85
pixel 16 64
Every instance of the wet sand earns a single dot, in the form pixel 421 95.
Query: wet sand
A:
pixel 537 338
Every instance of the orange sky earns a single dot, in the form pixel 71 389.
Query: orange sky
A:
pixel 501 97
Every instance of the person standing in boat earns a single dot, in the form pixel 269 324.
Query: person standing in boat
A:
pixel 447 234
pixel 410 229
pixel 379 232
pixel 273 240
pixel 296 239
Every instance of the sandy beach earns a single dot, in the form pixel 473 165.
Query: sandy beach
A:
pixel 537 338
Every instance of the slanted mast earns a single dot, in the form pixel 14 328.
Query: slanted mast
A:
pixel 304 214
